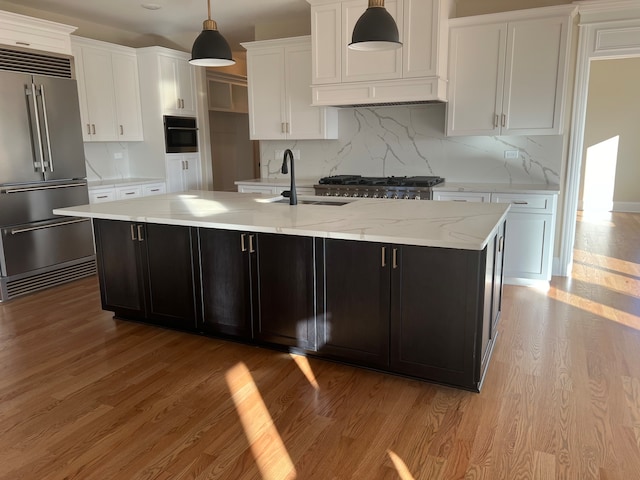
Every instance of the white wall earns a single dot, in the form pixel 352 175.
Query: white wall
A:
pixel 410 140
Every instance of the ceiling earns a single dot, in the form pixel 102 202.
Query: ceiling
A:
pixel 177 19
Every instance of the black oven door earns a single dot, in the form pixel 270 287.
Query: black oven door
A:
pixel 180 134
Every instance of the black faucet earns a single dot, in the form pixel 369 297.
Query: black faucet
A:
pixel 293 198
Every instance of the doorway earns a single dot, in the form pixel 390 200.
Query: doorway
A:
pixel 607 32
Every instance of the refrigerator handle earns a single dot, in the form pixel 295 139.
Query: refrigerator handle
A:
pixel 46 127
pixel 31 92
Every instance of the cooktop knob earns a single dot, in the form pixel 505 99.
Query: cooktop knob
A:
pixel 407 197
pixel 375 195
pixel 365 195
pixel 354 195
pixel 385 196
pixel 395 196
pixel 417 197
pixel 345 194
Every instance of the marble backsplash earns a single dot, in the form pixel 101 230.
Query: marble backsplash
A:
pixel 106 161
pixel 410 140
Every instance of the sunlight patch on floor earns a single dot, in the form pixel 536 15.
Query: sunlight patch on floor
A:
pixel 611 281
pixel 610 263
pixel 401 467
pixel 303 364
pixel 267 446
pixel 604 311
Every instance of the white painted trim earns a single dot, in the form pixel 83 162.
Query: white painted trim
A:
pixel 627 207
pixel 600 18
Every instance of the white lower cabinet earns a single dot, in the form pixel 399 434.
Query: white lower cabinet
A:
pixel 124 191
pixel 183 172
pixel 273 189
pixel 462 196
pixel 530 231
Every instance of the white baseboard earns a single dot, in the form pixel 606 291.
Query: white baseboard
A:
pixel 555 267
pixel 627 207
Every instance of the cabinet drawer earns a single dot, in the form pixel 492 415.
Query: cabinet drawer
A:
pixel 102 195
pixel 23 36
pixel 462 196
pixel 526 202
pixel 256 189
pixel 128 192
pixel 154 189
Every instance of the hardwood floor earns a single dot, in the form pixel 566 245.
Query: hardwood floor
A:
pixel 83 396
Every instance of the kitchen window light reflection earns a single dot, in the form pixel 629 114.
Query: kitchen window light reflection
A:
pixel 201 207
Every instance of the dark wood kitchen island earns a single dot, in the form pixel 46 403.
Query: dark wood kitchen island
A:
pixel 410 288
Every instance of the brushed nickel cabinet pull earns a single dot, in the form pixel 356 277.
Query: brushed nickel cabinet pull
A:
pixel 88 129
pixel 121 130
pixel 251 249
pixel 93 128
pixel 243 247
pixel 133 232
pixel 500 244
pixel 187 164
pixel 384 257
pixel 395 258
pixel 140 227
pixel 495 121
pixel 26 44
pixel 520 203
pixel 504 120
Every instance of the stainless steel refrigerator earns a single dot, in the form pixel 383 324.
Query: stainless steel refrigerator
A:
pixel 41 168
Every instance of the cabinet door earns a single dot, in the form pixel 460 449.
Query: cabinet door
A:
pixel 436 310
pixel 119 267
pixel 169 277
pixel 169 85
pixel 326 31
pixel 98 82
pixel 226 282
pixel 535 76
pixel 355 322
pixel 191 172
pixel 286 288
pixel 421 38
pixel 496 305
pixel 527 250
pixel 360 66
pixel 82 93
pixel 303 120
pixel 186 87
pixel 175 176
pixel 476 77
pixel 266 83
pixel 127 97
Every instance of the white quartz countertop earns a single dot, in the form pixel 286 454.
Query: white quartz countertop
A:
pixel 497 188
pixel 467 226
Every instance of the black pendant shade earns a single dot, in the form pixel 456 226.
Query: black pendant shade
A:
pixel 375 30
pixel 210 49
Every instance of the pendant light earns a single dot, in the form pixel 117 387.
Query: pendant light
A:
pixel 210 49
pixel 375 30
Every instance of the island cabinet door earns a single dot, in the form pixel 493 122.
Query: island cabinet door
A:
pixel 120 268
pixel 139 279
pixel 286 303
pixel 353 323
pixel 226 263
pixel 168 254
pixel 436 313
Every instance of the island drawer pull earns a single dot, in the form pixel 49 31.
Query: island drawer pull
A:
pixel 384 257
pixel 140 238
pixel 133 232
pixel 243 247
pixel 251 249
pixel 395 258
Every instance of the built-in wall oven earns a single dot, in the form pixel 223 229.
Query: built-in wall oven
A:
pixel 180 134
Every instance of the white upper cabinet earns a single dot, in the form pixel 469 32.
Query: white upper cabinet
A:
pixel 509 77
pixel 360 66
pixel 279 77
pixel 108 91
pixel 28 32
pixel 178 84
pixel 414 73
